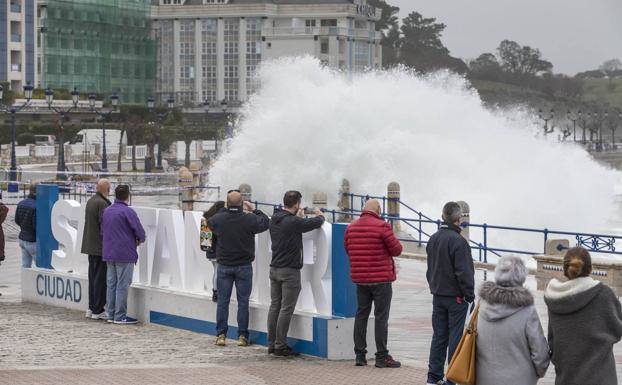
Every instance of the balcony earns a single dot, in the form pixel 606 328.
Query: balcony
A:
pixel 16 38
pixel 322 31
pixel 16 8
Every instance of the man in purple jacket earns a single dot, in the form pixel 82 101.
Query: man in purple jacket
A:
pixel 121 235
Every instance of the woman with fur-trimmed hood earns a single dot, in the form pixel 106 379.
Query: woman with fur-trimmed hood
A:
pixel 511 347
pixel 585 321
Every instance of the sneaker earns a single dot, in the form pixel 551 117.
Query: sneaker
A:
pixel 439 382
pixel 89 314
pixel 221 340
pixel 270 349
pixel 126 321
pixel 214 296
pixel 387 362
pixel 361 360
pixel 243 341
pixel 103 315
pixel 286 352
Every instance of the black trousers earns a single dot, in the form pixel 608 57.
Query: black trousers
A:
pixel 380 295
pixel 97 284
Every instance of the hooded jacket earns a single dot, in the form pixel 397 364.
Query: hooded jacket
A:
pixel 26 219
pixel 450 264
pixel 510 339
pixel 585 321
pixel 286 231
pixel 371 246
pixel 236 231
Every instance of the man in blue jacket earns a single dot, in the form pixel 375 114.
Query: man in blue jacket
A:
pixel 25 217
pixel 121 235
pixel 451 277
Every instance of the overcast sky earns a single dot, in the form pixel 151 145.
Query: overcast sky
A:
pixel 575 35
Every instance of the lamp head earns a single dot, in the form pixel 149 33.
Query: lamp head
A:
pixel 150 103
pixel 49 96
pixel 75 96
pixel 28 91
pixel 170 103
pixel 92 99
pixel 114 100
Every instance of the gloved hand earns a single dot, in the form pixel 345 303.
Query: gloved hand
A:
pixel 1 258
pixel 469 299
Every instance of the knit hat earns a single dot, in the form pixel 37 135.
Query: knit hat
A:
pixel 510 271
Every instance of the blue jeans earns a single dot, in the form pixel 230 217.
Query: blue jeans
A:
pixel 29 253
pixel 242 277
pixel 118 280
pixel 448 318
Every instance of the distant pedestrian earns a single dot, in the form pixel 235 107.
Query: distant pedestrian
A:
pixel 121 233
pixel 451 277
pixel 26 219
pixel 510 340
pixel 286 229
pixel 235 251
pixel 208 243
pixel 92 246
pixel 3 213
pixel 585 321
pixel 371 246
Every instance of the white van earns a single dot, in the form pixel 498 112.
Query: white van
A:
pixel 93 136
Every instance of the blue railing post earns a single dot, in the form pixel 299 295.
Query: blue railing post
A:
pixel 419 229
pixel 546 238
pixel 485 226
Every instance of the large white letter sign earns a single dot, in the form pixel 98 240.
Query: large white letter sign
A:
pixel 198 270
pixel 149 219
pixel 316 273
pixel 168 260
pixel 261 268
pixel 66 257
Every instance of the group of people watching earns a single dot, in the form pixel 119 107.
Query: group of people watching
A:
pixel 585 316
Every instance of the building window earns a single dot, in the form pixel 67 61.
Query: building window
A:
pixel 208 59
pixel 361 55
pixel 310 23
pixel 329 23
pixel 166 80
pixel 186 61
pixel 231 58
pixel 324 46
pixel 360 24
pixel 253 53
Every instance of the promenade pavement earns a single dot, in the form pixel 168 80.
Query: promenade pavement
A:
pixel 41 344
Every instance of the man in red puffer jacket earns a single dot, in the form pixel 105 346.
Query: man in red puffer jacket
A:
pixel 371 246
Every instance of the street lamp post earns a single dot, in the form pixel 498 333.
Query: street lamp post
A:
pixel 573 119
pixel 161 116
pixel 583 124
pixel 63 115
pixel 14 110
pixel 546 119
pixel 104 115
pixel 598 129
pixel 613 126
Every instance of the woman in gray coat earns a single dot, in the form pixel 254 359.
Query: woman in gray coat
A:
pixel 511 347
pixel 585 321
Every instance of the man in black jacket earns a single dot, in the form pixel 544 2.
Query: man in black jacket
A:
pixel 451 277
pixel 286 229
pixel 235 250
pixel 92 246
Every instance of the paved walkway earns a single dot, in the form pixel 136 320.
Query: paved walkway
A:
pixel 40 344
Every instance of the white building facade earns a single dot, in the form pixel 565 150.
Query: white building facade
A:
pixel 18 20
pixel 209 50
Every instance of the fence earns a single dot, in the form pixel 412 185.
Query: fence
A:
pixel 22 151
pixel 45 151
